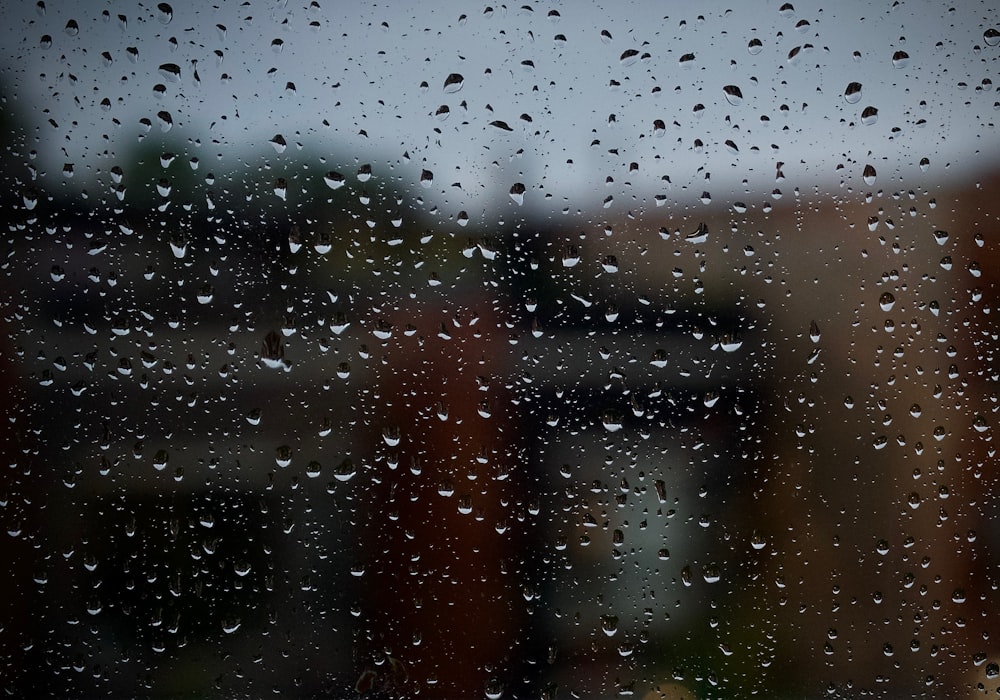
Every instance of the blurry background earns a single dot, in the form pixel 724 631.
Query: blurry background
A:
pixel 527 351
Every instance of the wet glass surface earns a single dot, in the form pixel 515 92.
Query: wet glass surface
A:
pixel 459 351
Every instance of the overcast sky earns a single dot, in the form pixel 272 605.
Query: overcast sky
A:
pixel 358 69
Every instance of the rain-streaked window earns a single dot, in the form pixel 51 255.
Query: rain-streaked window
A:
pixel 451 350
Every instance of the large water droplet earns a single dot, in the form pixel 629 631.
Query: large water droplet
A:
pixel 733 95
pixel 170 71
pixel 869 175
pixel 165 13
pixel 886 301
pixel 160 460
pixel 814 331
pixel 629 57
pixel 517 193
pixel 453 83
pixel 334 180
pixel 283 456
pixel 852 94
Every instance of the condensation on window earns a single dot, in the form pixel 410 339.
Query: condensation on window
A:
pixel 531 351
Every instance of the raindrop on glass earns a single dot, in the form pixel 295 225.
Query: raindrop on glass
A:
pixel 453 83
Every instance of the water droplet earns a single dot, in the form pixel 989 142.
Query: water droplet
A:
pixel 345 471
pixel 339 322
pixel 629 57
pixel 900 59
pixel 46 41
pixel 160 460
pixel 426 178
pixel 283 456
pixel 886 301
pixel 453 83
pixel 230 625
pixel 814 331
pixel 334 180
pixel 278 143
pixel 869 116
pixel 659 358
pixel 730 343
pixel 992 37
pixel 869 175
pixel 517 193
pixel 365 173
pixel 170 71
pixel 733 95
pixel 494 689
pixel 570 256
pixel 165 13
pixel 272 351
pixel 755 46
pixel 853 93
pixel 609 624
pixel 391 435
pixel 178 245
pixel 611 421
pixel 72 28
pixel 700 234
pixel 166 121
pixel 323 243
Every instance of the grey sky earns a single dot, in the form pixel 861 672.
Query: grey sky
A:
pixel 359 69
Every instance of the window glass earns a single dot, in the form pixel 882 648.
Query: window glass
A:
pixel 543 350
